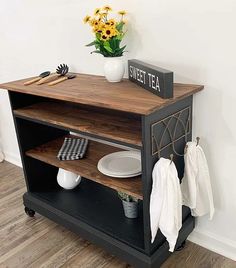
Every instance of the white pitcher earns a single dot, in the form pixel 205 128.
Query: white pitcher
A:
pixel 67 180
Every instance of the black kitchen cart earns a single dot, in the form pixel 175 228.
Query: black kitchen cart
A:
pixel 121 113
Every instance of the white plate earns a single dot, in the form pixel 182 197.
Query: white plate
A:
pixel 122 164
pixel 121 176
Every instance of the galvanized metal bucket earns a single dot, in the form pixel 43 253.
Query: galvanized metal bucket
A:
pixel 130 209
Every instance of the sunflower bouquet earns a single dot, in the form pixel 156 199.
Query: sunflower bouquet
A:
pixel 108 32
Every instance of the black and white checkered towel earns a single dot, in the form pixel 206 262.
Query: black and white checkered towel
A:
pixel 73 149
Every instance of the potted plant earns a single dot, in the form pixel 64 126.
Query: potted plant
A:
pixel 109 33
pixel 130 205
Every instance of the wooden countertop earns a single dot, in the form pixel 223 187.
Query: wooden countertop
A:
pixel 96 91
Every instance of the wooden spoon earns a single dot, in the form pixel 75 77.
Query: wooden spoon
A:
pixel 36 79
pixel 61 79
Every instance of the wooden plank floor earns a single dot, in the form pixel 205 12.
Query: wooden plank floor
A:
pixel 38 242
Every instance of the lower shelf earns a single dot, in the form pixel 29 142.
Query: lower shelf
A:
pixel 99 207
pixel 134 256
pixel 87 167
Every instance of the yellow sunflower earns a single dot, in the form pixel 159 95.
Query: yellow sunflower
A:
pixel 104 37
pixel 102 16
pixel 111 22
pixel 91 22
pixel 94 23
pixel 107 8
pixel 115 32
pixel 96 11
pixel 95 29
pixel 87 19
pixel 100 27
pixel 102 24
pixel 109 32
pixel 122 13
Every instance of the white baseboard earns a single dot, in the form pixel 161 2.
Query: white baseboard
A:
pixel 12 158
pixel 213 242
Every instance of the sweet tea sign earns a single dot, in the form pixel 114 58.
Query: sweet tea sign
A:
pixel 155 79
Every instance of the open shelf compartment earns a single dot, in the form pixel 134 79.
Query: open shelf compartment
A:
pixel 116 127
pixel 97 206
pixel 87 167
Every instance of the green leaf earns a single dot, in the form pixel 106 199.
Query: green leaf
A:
pixel 122 49
pixel 119 26
pixel 114 43
pixel 96 51
pixel 107 47
pixel 126 197
pixel 119 51
pixel 104 52
pixel 98 35
pixel 119 37
pixel 91 44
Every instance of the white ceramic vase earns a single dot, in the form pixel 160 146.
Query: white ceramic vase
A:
pixel 67 180
pixel 114 68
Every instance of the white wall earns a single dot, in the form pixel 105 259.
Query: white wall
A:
pixel 195 39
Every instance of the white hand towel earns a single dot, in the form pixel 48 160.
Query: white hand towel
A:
pixel 196 185
pixel 166 202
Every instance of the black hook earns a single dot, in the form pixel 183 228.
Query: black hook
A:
pixel 185 149
pixel 198 139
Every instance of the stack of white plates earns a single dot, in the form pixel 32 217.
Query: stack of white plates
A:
pixel 124 164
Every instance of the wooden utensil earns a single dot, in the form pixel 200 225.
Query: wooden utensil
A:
pixel 61 70
pixel 61 79
pixel 36 79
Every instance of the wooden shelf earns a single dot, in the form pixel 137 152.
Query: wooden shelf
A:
pixel 87 167
pixel 112 127
pixel 96 91
pixel 99 207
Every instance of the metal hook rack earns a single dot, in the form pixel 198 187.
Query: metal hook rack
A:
pixel 186 146
pixel 179 122
pixel 198 140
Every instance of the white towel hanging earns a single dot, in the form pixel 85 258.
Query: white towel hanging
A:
pixel 196 185
pixel 166 202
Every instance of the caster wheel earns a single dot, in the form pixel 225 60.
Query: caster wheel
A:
pixel 29 212
pixel 182 246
